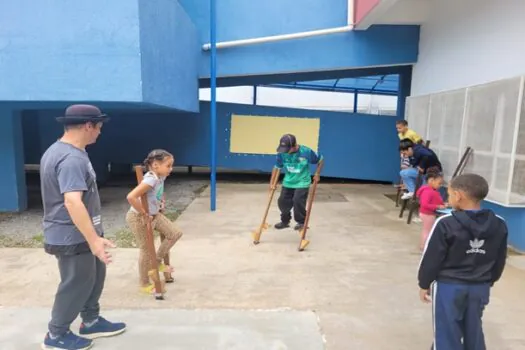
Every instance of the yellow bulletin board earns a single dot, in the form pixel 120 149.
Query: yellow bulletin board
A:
pixel 261 134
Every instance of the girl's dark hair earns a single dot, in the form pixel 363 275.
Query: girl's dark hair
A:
pixel 156 155
pixel 434 174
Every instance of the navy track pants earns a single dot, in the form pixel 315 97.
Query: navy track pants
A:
pixel 457 310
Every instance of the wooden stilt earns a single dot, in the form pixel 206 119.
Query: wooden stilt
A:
pixel 154 265
pixel 303 243
pixel 256 235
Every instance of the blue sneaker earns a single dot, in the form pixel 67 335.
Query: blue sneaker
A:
pixel 102 328
pixel 68 341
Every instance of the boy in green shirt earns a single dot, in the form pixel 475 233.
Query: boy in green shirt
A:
pixel 296 160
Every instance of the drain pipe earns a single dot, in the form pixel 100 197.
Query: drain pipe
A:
pixel 273 38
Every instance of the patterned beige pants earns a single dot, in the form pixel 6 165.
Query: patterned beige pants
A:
pixel 164 226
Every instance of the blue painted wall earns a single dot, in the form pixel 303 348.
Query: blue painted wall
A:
pixel 515 218
pixel 356 146
pixel 378 46
pixel 13 193
pixel 121 50
pixel 149 51
pixel 251 19
pixel 170 52
pixel 69 50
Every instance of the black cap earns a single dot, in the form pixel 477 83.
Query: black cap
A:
pixel 287 142
pixel 80 114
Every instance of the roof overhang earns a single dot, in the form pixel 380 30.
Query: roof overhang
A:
pixel 401 12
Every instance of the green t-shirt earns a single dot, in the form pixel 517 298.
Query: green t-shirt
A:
pixel 297 166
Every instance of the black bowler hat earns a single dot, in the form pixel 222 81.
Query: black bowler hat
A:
pixel 80 114
pixel 287 142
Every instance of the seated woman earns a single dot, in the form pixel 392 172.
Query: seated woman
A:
pixel 422 159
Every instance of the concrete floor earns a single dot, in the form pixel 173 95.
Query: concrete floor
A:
pixel 182 330
pixel 357 277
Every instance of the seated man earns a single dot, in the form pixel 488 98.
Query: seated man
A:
pixel 422 160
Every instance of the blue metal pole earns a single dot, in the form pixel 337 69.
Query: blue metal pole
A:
pixel 213 105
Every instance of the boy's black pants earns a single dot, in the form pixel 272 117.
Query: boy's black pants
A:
pixel 457 313
pixel 293 198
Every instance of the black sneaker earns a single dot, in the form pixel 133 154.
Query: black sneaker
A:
pixel 281 225
pixel 298 227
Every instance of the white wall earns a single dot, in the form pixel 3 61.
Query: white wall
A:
pixel 466 43
pixel 469 42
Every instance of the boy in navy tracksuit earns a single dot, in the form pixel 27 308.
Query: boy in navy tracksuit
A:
pixel 464 256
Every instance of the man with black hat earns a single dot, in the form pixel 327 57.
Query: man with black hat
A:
pixel 73 231
pixel 296 160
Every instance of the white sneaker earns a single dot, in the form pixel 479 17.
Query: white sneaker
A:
pixel 407 195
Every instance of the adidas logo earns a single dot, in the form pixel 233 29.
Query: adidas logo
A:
pixel 476 245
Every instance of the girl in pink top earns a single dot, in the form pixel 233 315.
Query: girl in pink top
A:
pixel 429 201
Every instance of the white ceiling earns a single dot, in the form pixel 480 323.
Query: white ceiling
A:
pixel 406 12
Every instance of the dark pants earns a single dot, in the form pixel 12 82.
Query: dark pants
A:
pixel 293 198
pixel 457 312
pixel 82 279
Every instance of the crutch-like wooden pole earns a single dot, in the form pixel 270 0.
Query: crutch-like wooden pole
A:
pixel 303 243
pixel 256 235
pixel 168 278
pixel 150 243
pixel 273 179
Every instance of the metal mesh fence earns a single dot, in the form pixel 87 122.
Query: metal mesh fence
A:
pixel 490 118
pixel 416 113
pixel 445 125
pixel 518 171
